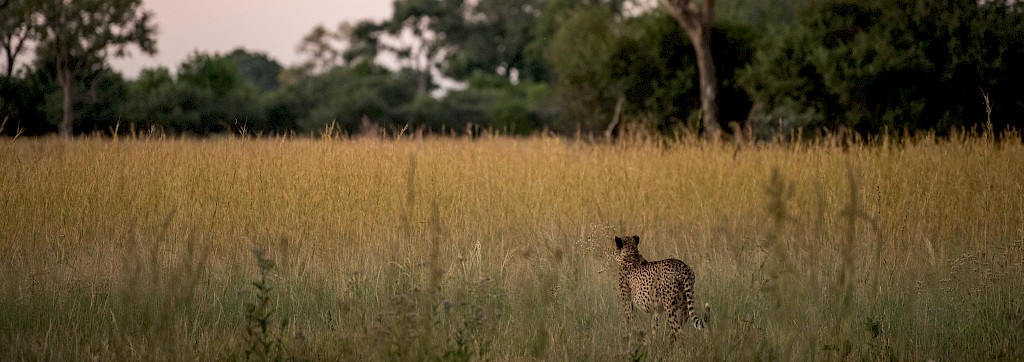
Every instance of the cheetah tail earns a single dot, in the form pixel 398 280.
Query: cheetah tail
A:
pixel 701 322
pixel 707 313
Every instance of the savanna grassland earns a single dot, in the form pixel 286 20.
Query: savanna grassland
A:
pixel 498 248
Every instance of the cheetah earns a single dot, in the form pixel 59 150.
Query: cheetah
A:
pixel 653 287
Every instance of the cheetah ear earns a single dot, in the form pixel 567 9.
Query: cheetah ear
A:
pixel 618 242
pixel 637 238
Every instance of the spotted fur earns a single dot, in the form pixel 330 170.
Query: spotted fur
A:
pixel 655 287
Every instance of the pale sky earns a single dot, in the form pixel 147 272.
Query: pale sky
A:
pixel 274 27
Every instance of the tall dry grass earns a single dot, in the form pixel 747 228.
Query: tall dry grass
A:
pixel 497 248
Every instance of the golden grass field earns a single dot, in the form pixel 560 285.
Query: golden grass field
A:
pixel 498 248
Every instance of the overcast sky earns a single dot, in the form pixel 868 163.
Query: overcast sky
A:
pixel 270 26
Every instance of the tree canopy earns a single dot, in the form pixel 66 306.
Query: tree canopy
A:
pixel 588 67
pixel 892 65
pixel 81 34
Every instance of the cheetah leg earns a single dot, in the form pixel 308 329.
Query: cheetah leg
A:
pixel 627 310
pixel 654 324
pixel 677 325
pixel 626 301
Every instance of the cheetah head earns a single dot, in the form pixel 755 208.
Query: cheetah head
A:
pixel 626 248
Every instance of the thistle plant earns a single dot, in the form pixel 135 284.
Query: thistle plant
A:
pixel 262 341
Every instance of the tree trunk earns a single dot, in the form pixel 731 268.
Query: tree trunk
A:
pixel 423 81
pixel 608 132
pixel 697 22
pixel 708 88
pixel 65 78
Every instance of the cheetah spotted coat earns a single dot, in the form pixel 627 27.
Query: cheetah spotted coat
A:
pixel 654 287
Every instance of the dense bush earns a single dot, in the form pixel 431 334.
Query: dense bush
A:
pixel 891 65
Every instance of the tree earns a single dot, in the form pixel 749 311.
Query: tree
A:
pixel 583 54
pixel 216 73
pixel 15 30
pixel 217 96
pixel 892 65
pixel 80 33
pixel 346 95
pixel 350 44
pixel 762 15
pixel 497 33
pixel 320 49
pixel 639 69
pixel 210 95
pixel 20 100
pixel 427 24
pixel 256 68
pixel 363 41
pixel 659 64
pixel 697 21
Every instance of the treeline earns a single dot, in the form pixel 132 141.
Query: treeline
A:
pixel 568 66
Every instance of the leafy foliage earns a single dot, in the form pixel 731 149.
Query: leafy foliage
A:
pixel 582 53
pixel 15 31
pixel 892 65
pixel 208 96
pixel 518 67
pixel 344 96
pixel 257 69
pixel 495 39
pixel 19 106
pixel 78 34
pixel 646 60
